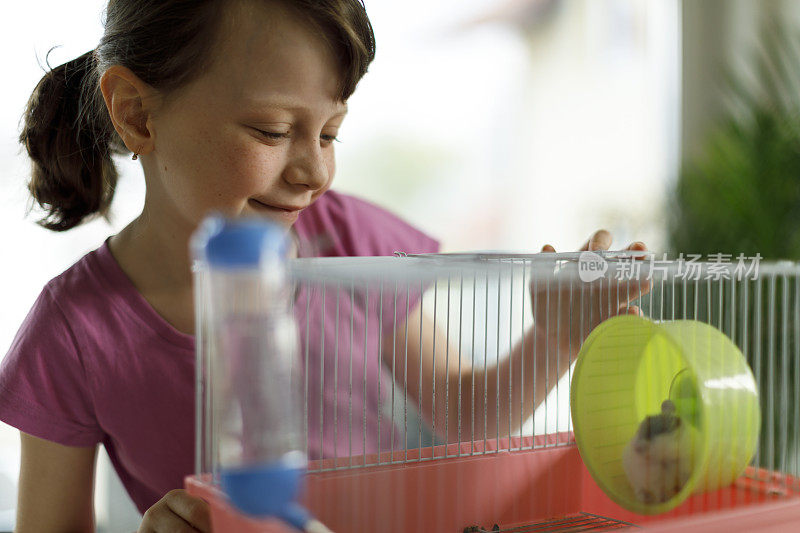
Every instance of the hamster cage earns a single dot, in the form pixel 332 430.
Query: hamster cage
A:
pixel 436 391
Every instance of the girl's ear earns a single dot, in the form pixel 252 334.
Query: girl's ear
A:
pixel 130 103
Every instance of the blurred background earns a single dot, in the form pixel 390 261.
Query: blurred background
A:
pixel 493 124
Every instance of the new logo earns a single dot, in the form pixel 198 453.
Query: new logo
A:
pixel 591 266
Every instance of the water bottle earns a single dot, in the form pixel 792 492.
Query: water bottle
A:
pixel 254 344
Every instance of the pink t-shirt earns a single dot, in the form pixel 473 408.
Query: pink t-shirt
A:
pixel 94 362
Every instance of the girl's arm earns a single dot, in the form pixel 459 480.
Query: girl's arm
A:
pixel 550 349
pixel 509 401
pixel 56 485
pixel 491 383
pixel 423 342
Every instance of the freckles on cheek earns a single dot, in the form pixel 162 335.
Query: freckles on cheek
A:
pixel 330 163
pixel 249 168
pixel 202 157
pixel 331 169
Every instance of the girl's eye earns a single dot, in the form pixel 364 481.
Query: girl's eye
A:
pixel 274 134
pixel 278 135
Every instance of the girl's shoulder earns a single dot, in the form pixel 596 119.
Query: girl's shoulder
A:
pixel 82 354
pixel 88 307
pixel 85 288
pixel 341 225
pixel 44 377
pixel 88 272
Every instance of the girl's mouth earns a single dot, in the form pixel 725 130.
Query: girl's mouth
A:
pixel 282 214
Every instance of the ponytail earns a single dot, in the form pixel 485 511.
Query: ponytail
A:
pixel 68 136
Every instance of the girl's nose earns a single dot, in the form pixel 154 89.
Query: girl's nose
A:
pixel 307 166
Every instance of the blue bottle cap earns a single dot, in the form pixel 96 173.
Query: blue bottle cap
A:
pixel 238 243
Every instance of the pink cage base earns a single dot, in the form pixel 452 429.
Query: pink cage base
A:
pixel 509 488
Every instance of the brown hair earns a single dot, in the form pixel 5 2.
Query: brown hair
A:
pixel 167 43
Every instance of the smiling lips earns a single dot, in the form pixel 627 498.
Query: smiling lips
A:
pixel 284 213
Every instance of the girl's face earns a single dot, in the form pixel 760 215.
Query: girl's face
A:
pixel 253 135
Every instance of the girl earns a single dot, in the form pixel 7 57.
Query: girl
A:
pixel 230 105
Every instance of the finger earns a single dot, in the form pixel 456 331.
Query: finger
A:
pixel 629 290
pixel 637 246
pixel 618 290
pixel 607 300
pixel 194 510
pixel 547 248
pixel 645 287
pixel 630 310
pixel 600 240
pixel 161 519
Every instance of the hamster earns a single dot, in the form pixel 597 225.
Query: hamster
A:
pixel 659 459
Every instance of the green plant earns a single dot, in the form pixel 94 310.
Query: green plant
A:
pixel 741 194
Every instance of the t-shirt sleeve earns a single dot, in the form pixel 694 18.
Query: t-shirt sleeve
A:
pixel 43 385
pixel 377 231
pixel 341 225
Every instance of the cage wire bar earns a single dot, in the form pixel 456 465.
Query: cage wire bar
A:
pixel 367 403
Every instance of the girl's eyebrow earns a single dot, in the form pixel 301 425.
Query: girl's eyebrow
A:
pixel 289 104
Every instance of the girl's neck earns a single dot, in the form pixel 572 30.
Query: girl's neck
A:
pixel 156 260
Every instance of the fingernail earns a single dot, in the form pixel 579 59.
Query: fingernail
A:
pixel 601 239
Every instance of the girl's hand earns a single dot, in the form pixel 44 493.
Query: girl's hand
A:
pixel 572 311
pixel 177 512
